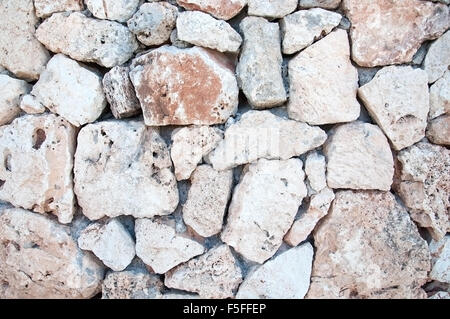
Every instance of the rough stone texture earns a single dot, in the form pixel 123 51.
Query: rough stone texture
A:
pixel 326 4
pixel 315 167
pixel 440 97
pixel 259 67
pixel 303 27
pixel 175 41
pixel 323 82
pixel 201 29
pixel 119 10
pixel 437 60
pixel 45 8
pixel 211 275
pixel 368 247
pixel 390 32
pixel 207 200
pixel 271 8
pixel 106 43
pixel 40 259
pixel 161 248
pixel 438 130
pixel 153 22
pixel 37 156
pixel 185 86
pixel 440 260
pixel 119 92
pixel 110 242
pixel 397 99
pixel 29 104
pixel 123 168
pixel 261 134
pixel 70 90
pixel 131 284
pixel 20 52
pixel 221 9
pixel 423 183
pixel 440 295
pixel 319 205
pixel 11 91
pixel 263 207
pixel 287 276
pixel 359 157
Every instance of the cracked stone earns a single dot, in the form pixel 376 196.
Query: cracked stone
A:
pixel 11 91
pixel 119 10
pixel 437 60
pixel 221 9
pixel 440 97
pixel 29 104
pixel 440 260
pixel 315 169
pixel 45 8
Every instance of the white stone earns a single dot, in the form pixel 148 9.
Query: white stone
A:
pixel 11 91
pixel 29 104
pixel 271 8
pixel 440 260
pixel 221 9
pixel 315 167
pixel 131 284
pixel 326 4
pixel 45 8
pixel 119 10
pixel 440 295
pixel 440 97
pixel 437 60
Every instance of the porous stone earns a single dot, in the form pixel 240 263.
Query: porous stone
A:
pixel 437 60
pixel 131 284
pixel 359 157
pixel 326 4
pixel 259 67
pixel 440 97
pixel 106 43
pixel 119 10
pixel 40 259
pixel 397 99
pixel 368 247
pixel 29 104
pixel 271 8
pixel 221 9
pixel 302 28
pixel 20 52
pixel 263 207
pixel 185 86
pixel 287 276
pixel 70 90
pixel 45 8
pixel 123 168
pixel 37 156
pixel 261 134
pixel 11 91
pixel 390 32
pixel 211 275
pixel 440 260
pixel 315 167
pixel 438 130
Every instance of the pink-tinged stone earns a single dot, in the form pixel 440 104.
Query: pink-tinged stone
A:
pixel 438 130
pixel 221 9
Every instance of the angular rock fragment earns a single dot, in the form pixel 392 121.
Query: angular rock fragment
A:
pixel 221 9
pixel 440 295
pixel 440 97
pixel 437 60
pixel 326 4
pixel 438 130
pixel 203 92
pixel 271 8
pixel 323 82
pixel 29 104
pixel 45 8
pixel 359 157
pixel 11 91
pixel 123 168
pixel 368 247
pixel 259 67
pixel 175 41
pixel 211 275
pixel 315 167
pixel 131 284
pixel 119 10
pixel 440 260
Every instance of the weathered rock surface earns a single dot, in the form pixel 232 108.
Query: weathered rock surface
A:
pixel 123 168
pixel 315 169
pixel 207 200
pixel 440 295
pixel 263 207
pixel 271 8
pixel 302 28
pixel 368 247
pixel 11 90
pixel 423 183
pixel 259 67
pixel 397 99
pixel 203 30
pixel 131 284
pixel 437 60
pixel 40 259
pixel 261 134
pixel 440 97
pixel 45 8
pixel 287 276
pixel 119 10
pixel 326 4
pixel 221 9
pixel 20 52
pixel 70 90
pixel 106 43
pixel 153 22
pixel 37 156
pixel 359 157
pixel 440 259
pixel 175 41
pixel 438 130
pixel 110 242
pixel 185 86
pixel 390 32
pixel 29 104
pixel 323 82
pixel 211 275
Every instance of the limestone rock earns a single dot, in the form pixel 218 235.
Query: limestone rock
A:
pixel 37 152
pixel 119 92
pixel 106 43
pixel 221 9
pixel 261 134
pixel 201 29
pixel 263 207
pixel 397 99
pixel 11 91
pixel 20 52
pixel 440 260
pixel 110 242
pixel 119 10
pixel 437 60
pixel 211 275
pixel 131 284
pixel 323 82
pixel 271 8
pixel 161 248
pixel 326 4
pixel 203 92
pixel 287 276
pixel 153 22
pixel 438 130
pixel 123 168
pixel 390 32
pixel 423 183
pixel 45 8
pixel 207 200
pixel 315 167
pixel 29 104
pixel 359 157
pixel 40 259
pixel 70 90
pixel 440 97
pixel 175 41
pixel 440 295
pixel 368 247
pixel 302 28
